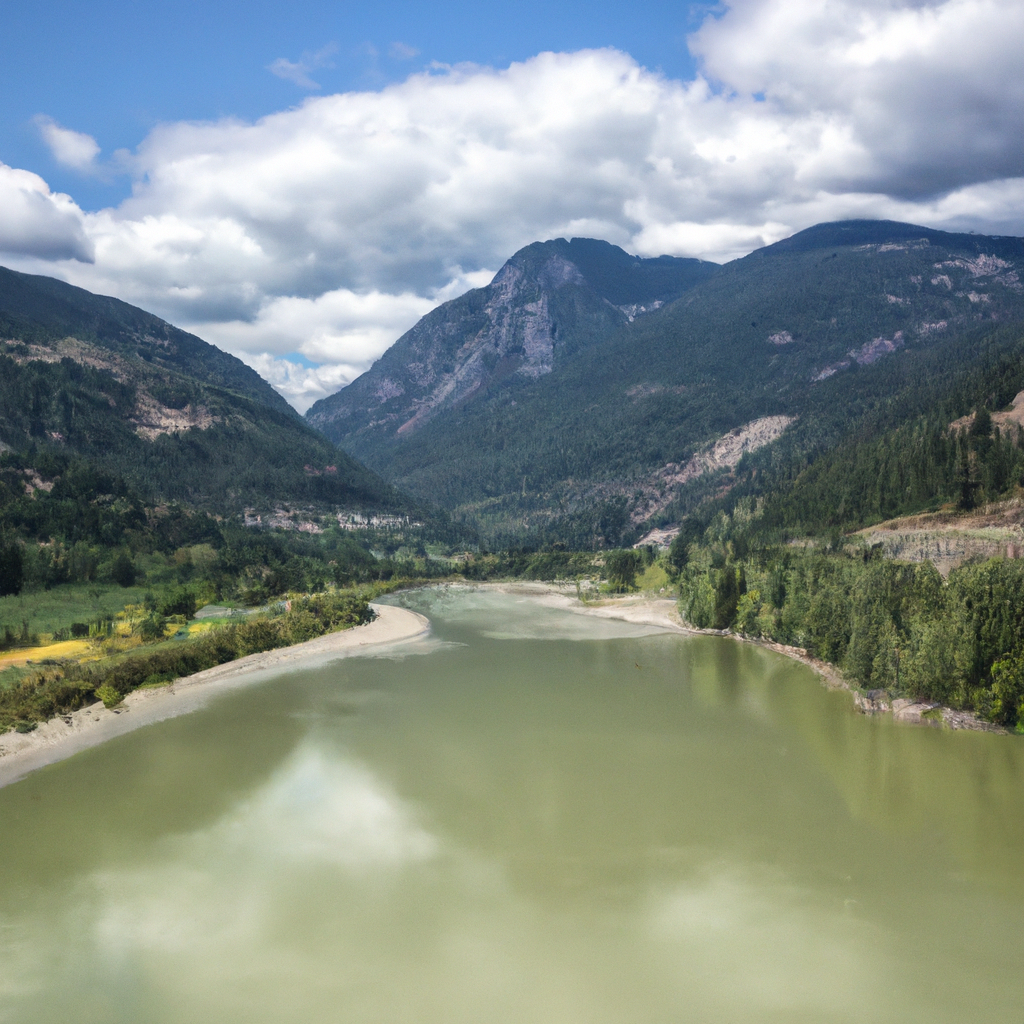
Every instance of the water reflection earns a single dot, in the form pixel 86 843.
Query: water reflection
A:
pixel 544 818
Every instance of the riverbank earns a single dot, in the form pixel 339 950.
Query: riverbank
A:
pixel 663 611
pixel 21 753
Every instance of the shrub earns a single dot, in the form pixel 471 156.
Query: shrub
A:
pixel 1008 690
pixel 180 602
pixel 110 697
pixel 257 635
pixel 152 627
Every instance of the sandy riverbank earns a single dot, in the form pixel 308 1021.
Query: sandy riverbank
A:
pixel 659 611
pixel 21 753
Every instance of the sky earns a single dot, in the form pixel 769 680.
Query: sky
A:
pixel 299 183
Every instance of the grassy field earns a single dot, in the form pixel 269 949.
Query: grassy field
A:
pixel 654 579
pixel 64 649
pixel 49 610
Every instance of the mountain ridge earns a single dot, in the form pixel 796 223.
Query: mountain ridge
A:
pixel 45 309
pixel 549 300
pixel 809 329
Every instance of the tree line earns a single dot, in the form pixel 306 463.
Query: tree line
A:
pixel 888 625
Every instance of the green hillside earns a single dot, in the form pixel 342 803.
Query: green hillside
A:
pixel 823 331
pixel 91 377
pixel 135 460
pixel 42 310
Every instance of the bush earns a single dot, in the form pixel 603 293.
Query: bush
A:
pixel 180 602
pixel 152 627
pixel 110 697
pixel 257 635
pixel 1008 690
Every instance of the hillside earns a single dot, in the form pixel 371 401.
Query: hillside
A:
pixel 548 303
pixel 84 376
pixel 791 347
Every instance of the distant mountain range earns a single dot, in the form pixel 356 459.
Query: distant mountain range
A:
pixel 584 397
pixel 587 395
pixel 176 418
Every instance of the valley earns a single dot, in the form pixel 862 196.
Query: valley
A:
pixel 818 445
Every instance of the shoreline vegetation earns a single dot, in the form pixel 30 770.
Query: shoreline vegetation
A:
pixel 95 723
pixel 90 701
pixel 647 609
pixel 107 672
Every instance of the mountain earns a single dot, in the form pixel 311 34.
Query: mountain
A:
pixel 91 377
pixel 787 350
pixel 548 303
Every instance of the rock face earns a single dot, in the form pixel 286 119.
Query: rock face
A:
pixel 920 712
pixel 546 303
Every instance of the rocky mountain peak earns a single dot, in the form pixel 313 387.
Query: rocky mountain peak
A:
pixel 549 301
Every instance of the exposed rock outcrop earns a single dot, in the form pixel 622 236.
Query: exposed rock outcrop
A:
pixel 546 303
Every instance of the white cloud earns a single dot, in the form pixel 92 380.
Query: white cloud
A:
pixel 328 228
pixel 71 148
pixel 930 94
pixel 38 223
pixel 301 385
pixel 341 330
pixel 298 71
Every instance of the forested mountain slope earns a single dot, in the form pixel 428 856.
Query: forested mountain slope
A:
pixel 549 302
pixel 790 349
pixel 41 310
pixel 84 376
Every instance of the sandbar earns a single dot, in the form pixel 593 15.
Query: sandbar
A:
pixel 21 753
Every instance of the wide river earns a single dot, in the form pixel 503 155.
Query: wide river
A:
pixel 532 816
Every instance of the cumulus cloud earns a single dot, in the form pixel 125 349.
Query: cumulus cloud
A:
pixel 298 71
pixel 920 98
pixel 71 148
pixel 326 229
pixel 341 332
pixel 38 223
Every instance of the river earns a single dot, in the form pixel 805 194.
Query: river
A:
pixel 530 816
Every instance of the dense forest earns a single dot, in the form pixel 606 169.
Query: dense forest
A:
pixel 242 452
pixel 92 526
pixel 177 418
pixel 899 454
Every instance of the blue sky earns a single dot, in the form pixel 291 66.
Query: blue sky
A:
pixel 115 69
pixel 298 184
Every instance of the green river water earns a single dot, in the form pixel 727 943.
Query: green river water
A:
pixel 531 816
